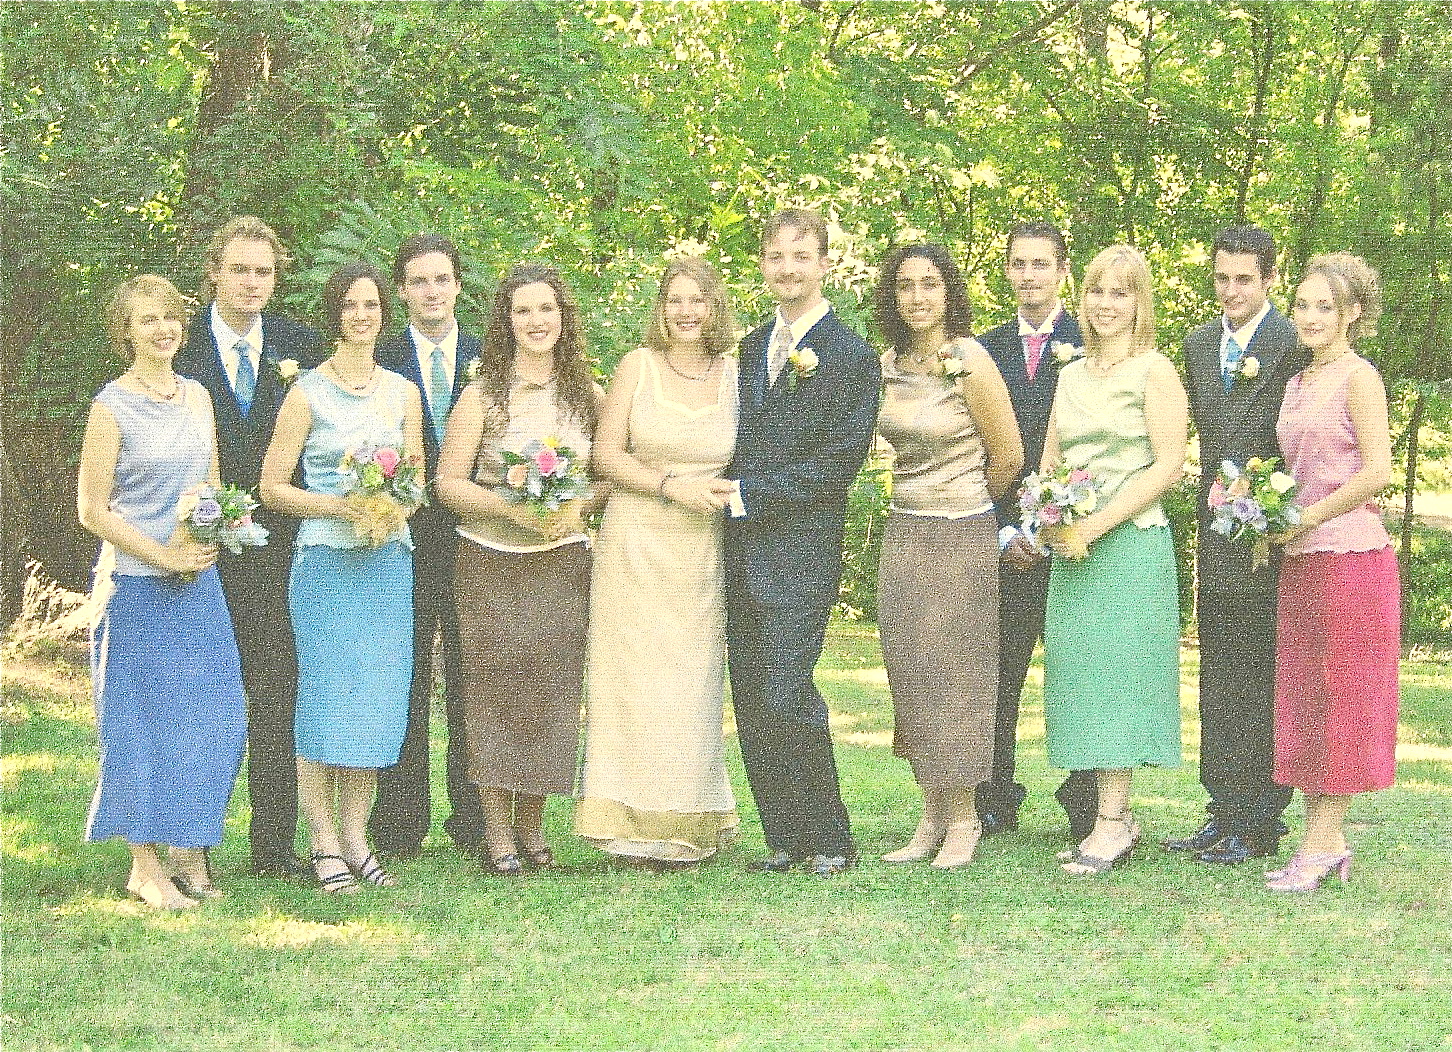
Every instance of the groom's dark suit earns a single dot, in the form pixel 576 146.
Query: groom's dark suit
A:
pixel 400 818
pixel 255 582
pixel 1236 604
pixel 1023 591
pixel 798 449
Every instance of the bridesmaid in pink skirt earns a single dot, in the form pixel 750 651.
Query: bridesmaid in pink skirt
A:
pixel 1339 616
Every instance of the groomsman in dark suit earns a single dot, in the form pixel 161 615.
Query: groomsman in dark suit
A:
pixel 437 355
pixel 245 357
pixel 1028 349
pixel 809 390
pixel 1237 368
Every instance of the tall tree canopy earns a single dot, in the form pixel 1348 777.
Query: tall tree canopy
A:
pixel 603 135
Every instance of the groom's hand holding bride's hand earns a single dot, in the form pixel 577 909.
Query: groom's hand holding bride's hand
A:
pixel 708 496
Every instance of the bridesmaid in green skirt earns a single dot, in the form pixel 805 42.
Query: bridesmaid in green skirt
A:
pixel 1111 639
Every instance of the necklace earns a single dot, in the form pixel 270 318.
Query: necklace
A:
pixel 710 368
pixel 1102 367
pixel 355 386
pixel 154 392
pixel 1315 365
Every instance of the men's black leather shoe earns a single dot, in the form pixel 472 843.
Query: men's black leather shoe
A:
pixel 998 822
pixel 1080 800
pixel 283 867
pixel 829 865
pixel 1204 838
pixel 776 862
pixel 1233 850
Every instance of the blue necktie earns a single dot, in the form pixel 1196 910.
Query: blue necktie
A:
pixel 1233 352
pixel 246 385
pixel 439 391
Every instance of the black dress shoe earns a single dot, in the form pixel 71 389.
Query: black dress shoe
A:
pixel 998 822
pixel 1204 838
pixel 829 865
pixel 282 867
pixel 1233 850
pixel 776 862
pixel 1079 797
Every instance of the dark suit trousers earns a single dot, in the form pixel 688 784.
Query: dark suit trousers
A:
pixel 255 585
pixel 1237 712
pixel 781 720
pixel 1023 594
pixel 401 812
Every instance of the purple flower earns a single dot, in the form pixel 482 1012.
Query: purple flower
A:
pixel 207 512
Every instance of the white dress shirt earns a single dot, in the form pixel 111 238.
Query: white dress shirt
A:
pixel 1243 335
pixel 227 345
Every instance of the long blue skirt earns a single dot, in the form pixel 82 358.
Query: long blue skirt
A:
pixel 352 617
pixel 170 711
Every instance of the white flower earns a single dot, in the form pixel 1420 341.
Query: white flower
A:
pixel 472 370
pixel 1280 481
pixel 953 366
pixel 1249 367
pixel 803 361
pixel 1064 352
pixel 287 370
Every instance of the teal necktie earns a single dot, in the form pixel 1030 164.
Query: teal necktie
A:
pixel 439 392
pixel 1233 353
pixel 246 385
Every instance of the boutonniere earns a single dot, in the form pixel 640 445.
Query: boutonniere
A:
pixel 950 366
pixel 472 370
pixel 1065 352
pixel 287 370
pixel 1247 368
pixel 803 362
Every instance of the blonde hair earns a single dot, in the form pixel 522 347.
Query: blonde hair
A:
pixel 245 228
pixel 1352 281
pixel 719 332
pixel 119 309
pixel 1128 264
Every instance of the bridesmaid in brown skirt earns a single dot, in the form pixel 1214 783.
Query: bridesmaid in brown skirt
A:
pixel 523 575
pixel 946 413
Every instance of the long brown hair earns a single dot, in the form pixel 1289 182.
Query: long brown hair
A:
pixel 574 378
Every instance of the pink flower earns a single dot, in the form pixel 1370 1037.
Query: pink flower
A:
pixel 547 460
pixel 1078 475
pixel 1051 514
pixel 516 476
pixel 1217 494
pixel 245 520
pixel 387 459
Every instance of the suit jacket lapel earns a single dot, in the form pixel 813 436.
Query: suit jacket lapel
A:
pixel 224 399
pixel 466 351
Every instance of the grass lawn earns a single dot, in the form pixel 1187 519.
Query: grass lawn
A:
pixel 1009 954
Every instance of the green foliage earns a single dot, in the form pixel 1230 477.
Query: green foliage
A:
pixel 862 546
pixel 1426 572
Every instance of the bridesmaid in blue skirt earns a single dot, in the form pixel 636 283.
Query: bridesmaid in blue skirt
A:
pixel 164 670
pixel 351 590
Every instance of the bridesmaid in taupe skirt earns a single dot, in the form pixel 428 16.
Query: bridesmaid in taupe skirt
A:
pixel 523 575
pixel 946 413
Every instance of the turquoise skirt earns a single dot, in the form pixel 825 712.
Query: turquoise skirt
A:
pixel 352 617
pixel 1112 654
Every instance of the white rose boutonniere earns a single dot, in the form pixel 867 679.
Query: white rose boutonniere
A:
pixel 1065 352
pixel 287 370
pixel 472 371
pixel 803 362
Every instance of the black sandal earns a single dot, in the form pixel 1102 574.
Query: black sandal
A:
pixel 503 866
pixel 372 871
pixel 343 883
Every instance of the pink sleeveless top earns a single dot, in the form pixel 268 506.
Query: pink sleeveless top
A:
pixel 1319 442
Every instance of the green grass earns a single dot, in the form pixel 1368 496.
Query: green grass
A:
pixel 1010 954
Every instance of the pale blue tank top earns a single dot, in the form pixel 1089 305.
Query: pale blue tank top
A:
pixel 341 423
pixel 166 449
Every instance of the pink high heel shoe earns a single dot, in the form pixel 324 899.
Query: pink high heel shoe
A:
pixel 1305 872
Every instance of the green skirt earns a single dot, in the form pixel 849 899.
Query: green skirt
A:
pixel 1112 654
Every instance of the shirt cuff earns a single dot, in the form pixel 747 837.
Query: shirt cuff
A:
pixel 735 506
pixel 1006 535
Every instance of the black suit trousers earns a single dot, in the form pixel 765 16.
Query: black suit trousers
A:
pixel 255 584
pixel 781 718
pixel 1022 597
pixel 401 811
pixel 1237 711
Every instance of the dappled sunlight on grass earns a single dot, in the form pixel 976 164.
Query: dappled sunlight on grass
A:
pixel 282 932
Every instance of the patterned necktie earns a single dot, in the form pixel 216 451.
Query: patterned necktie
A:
pixel 781 342
pixel 1233 352
pixel 1034 351
pixel 246 385
pixel 439 392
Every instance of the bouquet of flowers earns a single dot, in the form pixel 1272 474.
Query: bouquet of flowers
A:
pixel 1253 503
pixel 221 515
pixel 544 474
pixel 1051 502
pixel 386 486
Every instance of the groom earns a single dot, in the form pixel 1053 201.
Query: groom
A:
pixel 809 388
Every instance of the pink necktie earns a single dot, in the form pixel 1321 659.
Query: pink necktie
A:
pixel 1035 346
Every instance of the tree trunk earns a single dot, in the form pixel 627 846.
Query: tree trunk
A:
pixel 1419 408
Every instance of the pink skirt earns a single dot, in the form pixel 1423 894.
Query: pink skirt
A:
pixel 1338 641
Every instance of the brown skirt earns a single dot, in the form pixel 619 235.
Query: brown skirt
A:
pixel 938 618
pixel 522 624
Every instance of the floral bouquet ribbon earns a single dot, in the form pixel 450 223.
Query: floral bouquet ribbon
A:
pixel 386 486
pixel 1050 502
pixel 1253 504
pixel 544 474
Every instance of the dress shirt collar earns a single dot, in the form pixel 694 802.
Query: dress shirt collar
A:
pixel 1046 329
pixel 802 325
pixel 1245 333
pixel 227 338
pixel 423 349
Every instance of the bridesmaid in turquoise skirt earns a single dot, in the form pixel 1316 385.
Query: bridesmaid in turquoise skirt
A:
pixel 1111 638
pixel 351 589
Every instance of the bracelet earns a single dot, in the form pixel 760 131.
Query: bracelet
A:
pixel 660 489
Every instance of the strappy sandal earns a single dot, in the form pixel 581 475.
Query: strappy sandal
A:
pixel 1095 866
pixel 503 865
pixel 371 871
pixel 205 888
pixel 339 883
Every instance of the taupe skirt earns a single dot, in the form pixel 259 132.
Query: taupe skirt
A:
pixel 522 625
pixel 938 617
